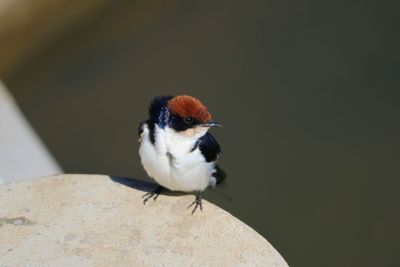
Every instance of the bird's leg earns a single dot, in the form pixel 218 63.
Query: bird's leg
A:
pixel 196 202
pixel 152 194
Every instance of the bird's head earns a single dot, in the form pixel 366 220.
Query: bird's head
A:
pixel 189 116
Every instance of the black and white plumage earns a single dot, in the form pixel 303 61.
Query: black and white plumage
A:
pixel 176 149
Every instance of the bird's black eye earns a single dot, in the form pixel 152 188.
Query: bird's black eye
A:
pixel 188 120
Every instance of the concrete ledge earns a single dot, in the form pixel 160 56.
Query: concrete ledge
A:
pixel 95 220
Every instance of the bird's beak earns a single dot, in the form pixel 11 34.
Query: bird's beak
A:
pixel 211 124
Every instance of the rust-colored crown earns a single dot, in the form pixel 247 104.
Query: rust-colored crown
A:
pixel 187 106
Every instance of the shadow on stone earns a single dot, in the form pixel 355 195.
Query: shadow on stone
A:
pixel 142 185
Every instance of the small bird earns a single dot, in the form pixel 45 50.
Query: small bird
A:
pixel 176 149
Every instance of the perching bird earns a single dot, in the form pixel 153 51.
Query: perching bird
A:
pixel 176 149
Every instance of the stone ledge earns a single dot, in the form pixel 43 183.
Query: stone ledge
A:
pixel 92 220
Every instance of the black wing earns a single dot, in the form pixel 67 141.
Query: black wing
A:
pixel 140 128
pixel 156 106
pixel 211 150
pixel 209 147
pixel 155 109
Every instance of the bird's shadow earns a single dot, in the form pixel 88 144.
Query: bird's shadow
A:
pixel 144 186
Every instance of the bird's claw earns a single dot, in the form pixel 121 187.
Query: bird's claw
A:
pixel 152 195
pixel 148 196
pixel 196 203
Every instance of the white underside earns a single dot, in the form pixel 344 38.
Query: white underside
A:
pixel 172 164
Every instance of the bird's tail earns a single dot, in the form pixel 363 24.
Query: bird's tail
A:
pixel 219 175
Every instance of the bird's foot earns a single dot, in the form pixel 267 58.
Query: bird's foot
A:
pixel 153 194
pixel 196 203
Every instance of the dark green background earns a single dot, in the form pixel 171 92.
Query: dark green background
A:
pixel 307 91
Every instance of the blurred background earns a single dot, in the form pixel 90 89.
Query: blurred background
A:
pixel 307 91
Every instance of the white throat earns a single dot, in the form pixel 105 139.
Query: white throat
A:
pixel 180 143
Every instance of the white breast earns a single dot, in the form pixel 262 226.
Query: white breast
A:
pixel 172 163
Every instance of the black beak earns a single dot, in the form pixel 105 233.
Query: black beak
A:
pixel 211 124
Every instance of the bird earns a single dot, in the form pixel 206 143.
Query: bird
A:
pixel 176 149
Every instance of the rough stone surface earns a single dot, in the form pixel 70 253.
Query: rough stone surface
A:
pixel 95 220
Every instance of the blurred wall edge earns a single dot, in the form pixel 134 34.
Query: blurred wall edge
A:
pixel 28 27
pixel 22 154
